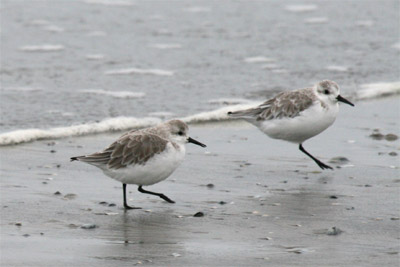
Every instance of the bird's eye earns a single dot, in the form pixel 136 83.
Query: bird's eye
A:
pixel 180 133
pixel 326 91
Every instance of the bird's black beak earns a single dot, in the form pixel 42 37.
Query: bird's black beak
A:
pixel 344 100
pixel 191 140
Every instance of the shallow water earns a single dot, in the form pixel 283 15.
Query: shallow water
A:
pixel 71 62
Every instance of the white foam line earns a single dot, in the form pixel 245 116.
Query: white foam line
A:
pixel 258 59
pixel 316 20
pixel 140 71
pixel 116 94
pixel 94 57
pixel 197 9
pixel 166 46
pixel 300 8
pixel 337 68
pixel 113 124
pixel 39 22
pixel 53 28
pixel 396 46
pixel 218 114
pixel 376 90
pixel 42 48
pixel 23 89
pixel 110 2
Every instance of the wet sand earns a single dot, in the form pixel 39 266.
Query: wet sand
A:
pixel 265 204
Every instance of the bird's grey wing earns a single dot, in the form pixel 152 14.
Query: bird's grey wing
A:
pixel 129 149
pixel 286 105
pixel 254 113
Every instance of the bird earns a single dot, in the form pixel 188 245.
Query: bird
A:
pixel 143 157
pixel 296 116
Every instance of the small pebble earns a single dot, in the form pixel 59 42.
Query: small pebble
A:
pixel 222 202
pixel 103 203
pixel 367 185
pixel 58 165
pixel 391 137
pixel 333 197
pixel 26 235
pixel 395 218
pixel 334 231
pixel 199 214
pixel 88 226
pixel 210 185
pixel 70 196
pixel 377 136
pixel 176 254
pixel 57 193
pixel 18 224
pixel 393 154
pixel 112 205
pixel 53 151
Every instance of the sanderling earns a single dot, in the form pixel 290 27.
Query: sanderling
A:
pixel 297 115
pixel 144 157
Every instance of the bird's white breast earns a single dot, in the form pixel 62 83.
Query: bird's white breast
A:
pixel 156 169
pixel 307 124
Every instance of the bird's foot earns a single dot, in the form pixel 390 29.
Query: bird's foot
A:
pixel 166 198
pixel 323 165
pixel 131 208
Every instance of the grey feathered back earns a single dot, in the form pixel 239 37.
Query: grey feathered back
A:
pixel 283 105
pixel 131 148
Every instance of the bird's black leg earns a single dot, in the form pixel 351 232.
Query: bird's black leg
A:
pixel 141 190
pixel 320 163
pixel 126 205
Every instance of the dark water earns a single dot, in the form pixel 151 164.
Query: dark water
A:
pixel 208 44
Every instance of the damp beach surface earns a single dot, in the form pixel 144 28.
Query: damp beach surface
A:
pixel 245 200
pixel 76 74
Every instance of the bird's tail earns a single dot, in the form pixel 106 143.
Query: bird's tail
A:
pixel 250 113
pixel 74 158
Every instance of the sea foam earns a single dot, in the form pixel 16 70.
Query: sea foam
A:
pixel 258 59
pixel 140 71
pixel 42 48
pixel 218 114
pixel 376 90
pixel 107 125
pixel 94 57
pixel 110 2
pixel 300 8
pixel 316 20
pixel 53 28
pixel 116 94
pixel 166 46
pixel 197 9
pixel 111 124
pixel 23 89
pixel 337 68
